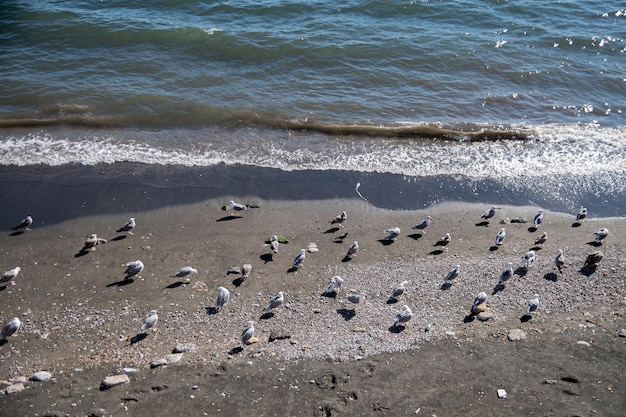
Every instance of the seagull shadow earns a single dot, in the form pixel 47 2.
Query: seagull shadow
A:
pixel 392 300
pixel 386 242
pixel 551 276
pixel 494 248
pixel 521 271
pixel 267 257
pixel 577 224
pixel 436 252
pixel 594 244
pixel 266 316
pixel 292 269
pixel 396 329
pixel 3 342
pixel 175 285
pixel 332 294
pixel 211 310
pixel 532 229
pixel 536 248
pixel 588 270
pixel 346 314
pixel 498 288
pixel 483 224
pixel 415 236
pixel 331 230
pixel 237 282
pixel 346 258
pixel 228 218
pixel 525 318
pixel 446 286
pixel 118 238
pixel 138 338
pixel 121 283
pixel 236 350
pixel 17 233
pixel 81 252
pixel 469 318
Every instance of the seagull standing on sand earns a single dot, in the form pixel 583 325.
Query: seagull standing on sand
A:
pixel 452 275
pixel 480 299
pixel 245 271
pixel 222 298
pixel 392 233
pixel 403 316
pixel 10 328
pixel 10 275
pixel 92 241
pixel 236 207
pixel 356 299
pixel 247 333
pixel 299 259
pixel 274 244
pixel 444 240
pixel 601 234
pixel 423 224
pixel 275 302
pixel 582 213
pixel 533 303
pixel 594 258
pixel 538 219
pixel 149 322
pixel 342 217
pixel 133 268
pixel 529 258
pixel 559 261
pixel 186 272
pixel 489 213
pixel 500 237
pixel 352 249
pixel 24 224
pixel 398 290
pixel 506 274
pixel 334 285
pixel 541 239
pixel 127 227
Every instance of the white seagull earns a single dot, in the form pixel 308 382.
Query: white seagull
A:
pixel 352 249
pixel 299 259
pixel 247 333
pixel 127 227
pixel 342 217
pixel 541 239
pixel 236 206
pixel 274 244
pixel 533 303
pixel 423 224
pixel 582 213
pixel 392 233
pixel 453 274
pixel 489 213
pixel 92 241
pixel 149 322
pixel 601 234
pixel 506 274
pixel 538 218
pixel 133 268
pixel 334 285
pixel 398 290
pixel 222 298
pixel 10 328
pixel 500 237
pixel 275 302
pixel 559 260
pixel 480 298
pixel 186 272
pixel 403 316
pixel 594 258
pixel 10 275
pixel 529 258
pixel 24 224
pixel 356 299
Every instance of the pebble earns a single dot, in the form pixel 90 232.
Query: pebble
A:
pixel 501 393
pixel 485 315
pixel 185 347
pixel 14 388
pixel 622 333
pixel 41 376
pixel 158 362
pixel 516 334
pixel 130 371
pixel 583 343
pixel 113 380
pixel 173 357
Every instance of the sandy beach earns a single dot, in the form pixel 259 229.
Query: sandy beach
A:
pixel 315 355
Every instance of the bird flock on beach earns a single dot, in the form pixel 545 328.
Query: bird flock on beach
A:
pixel 357 299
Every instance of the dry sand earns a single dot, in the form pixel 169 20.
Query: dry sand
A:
pixel 80 317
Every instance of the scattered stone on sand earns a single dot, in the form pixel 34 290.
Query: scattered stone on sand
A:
pixel 519 220
pixel 234 270
pixel 14 388
pixel 549 381
pixel 312 247
pixel 278 335
pixel 480 308
pixel 501 393
pixel 485 315
pixel 173 357
pixel 184 347
pixel 516 334
pixel 621 333
pixel 41 376
pixel 583 343
pixel 200 286
pixel 97 412
pixel 130 371
pixel 252 340
pixel 113 380
pixel 158 362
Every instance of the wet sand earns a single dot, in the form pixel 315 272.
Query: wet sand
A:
pixel 80 316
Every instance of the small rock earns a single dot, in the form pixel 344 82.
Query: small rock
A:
pixel 41 376
pixel 583 343
pixel 185 347
pixel 130 371
pixel 234 270
pixel 275 335
pixel 549 381
pixel 158 362
pixel 113 380
pixel 173 357
pixel 622 333
pixel 312 249
pixel 252 340
pixel 14 388
pixel 516 334
pixel 452 334
pixel 97 412
pixel 480 308
pixel 485 315
pixel 502 393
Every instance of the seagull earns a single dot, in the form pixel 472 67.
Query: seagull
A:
pixel 352 249
pixel 274 244
pixel 24 224
pixel 236 206
pixel 342 217
pixel 500 237
pixel 480 298
pixel 222 298
pixel 392 233
pixel 529 258
pixel 127 227
pixel 533 303
pixel 506 274
pixel 594 258
pixel 601 234
pixel 403 316
pixel 444 240
pixel 541 239
pixel 92 241
pixel 357 299
pixel 150 321
pixel 275 302
pixel 245 271
pixel 10 328
pixel 299 259
pixel 247 333
pixel 559 261
pixel 489 213
pixel 334 285
pixel 133 268
pixel 10 275
pixel 453 274
pixel 184 272
pixel 398 290
pixel 582 213
pixel 538 218
pixel 423 224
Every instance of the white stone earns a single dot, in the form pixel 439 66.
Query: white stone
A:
pixel 130 371
pixel 516 334
pixel 185 347
pixel 501 393
pixel 174 357
pixel 113 380
pixel 41 376
pixel 14 388
pixel 583 343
